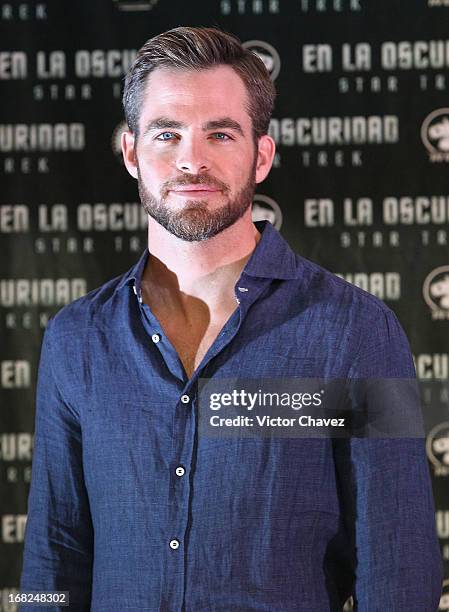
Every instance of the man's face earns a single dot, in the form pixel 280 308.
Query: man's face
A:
pixel 195 158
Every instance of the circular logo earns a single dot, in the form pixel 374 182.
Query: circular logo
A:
pixel 266 209
pixel 436 288
pixel 444 601
pixel 437 445
pixel 116 138
pixel 267 54
pixel 435 131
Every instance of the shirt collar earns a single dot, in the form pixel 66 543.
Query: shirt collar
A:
pixel 272 258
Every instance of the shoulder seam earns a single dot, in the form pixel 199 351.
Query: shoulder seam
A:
pixel 317 269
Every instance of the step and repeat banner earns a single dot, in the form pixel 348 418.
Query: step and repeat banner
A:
pixel 360 182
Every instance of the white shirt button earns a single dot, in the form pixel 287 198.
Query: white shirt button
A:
pixel 185 399
pixel 180 471
pixel 155 338
pixel 174 544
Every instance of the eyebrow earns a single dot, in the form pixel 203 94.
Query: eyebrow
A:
pixel 164 123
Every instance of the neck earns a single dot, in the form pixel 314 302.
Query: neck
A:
pixel 208 270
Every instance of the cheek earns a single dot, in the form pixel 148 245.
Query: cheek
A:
pixel 241 172
pixel 149 157
pixel 153 170
pixel 235 164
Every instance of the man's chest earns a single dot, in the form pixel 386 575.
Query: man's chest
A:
pixel 192 342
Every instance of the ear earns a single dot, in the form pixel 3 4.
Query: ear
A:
pixel 266 149
pixel 128 144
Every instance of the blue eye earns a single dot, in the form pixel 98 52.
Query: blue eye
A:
pixel 160 137
pixel 226 137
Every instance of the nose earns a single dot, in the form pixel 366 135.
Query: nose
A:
pixel 192 156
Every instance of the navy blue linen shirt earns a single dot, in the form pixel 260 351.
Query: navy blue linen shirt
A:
pixel 131 510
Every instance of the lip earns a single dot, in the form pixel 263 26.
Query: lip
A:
pixel 194 189
pixel 194 193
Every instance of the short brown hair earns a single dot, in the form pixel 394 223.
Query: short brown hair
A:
pixel 197 48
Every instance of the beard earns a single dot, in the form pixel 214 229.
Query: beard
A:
pixel 195 222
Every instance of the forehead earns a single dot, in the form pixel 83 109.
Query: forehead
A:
pixel 189 95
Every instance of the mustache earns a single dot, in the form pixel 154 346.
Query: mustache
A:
pixel 194 179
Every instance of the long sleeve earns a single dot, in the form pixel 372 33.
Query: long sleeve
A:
pixel 387 495
pixel 58 548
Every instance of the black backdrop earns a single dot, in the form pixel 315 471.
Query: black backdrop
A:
pixel 360 182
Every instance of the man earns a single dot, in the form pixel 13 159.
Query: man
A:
pixel 131 509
